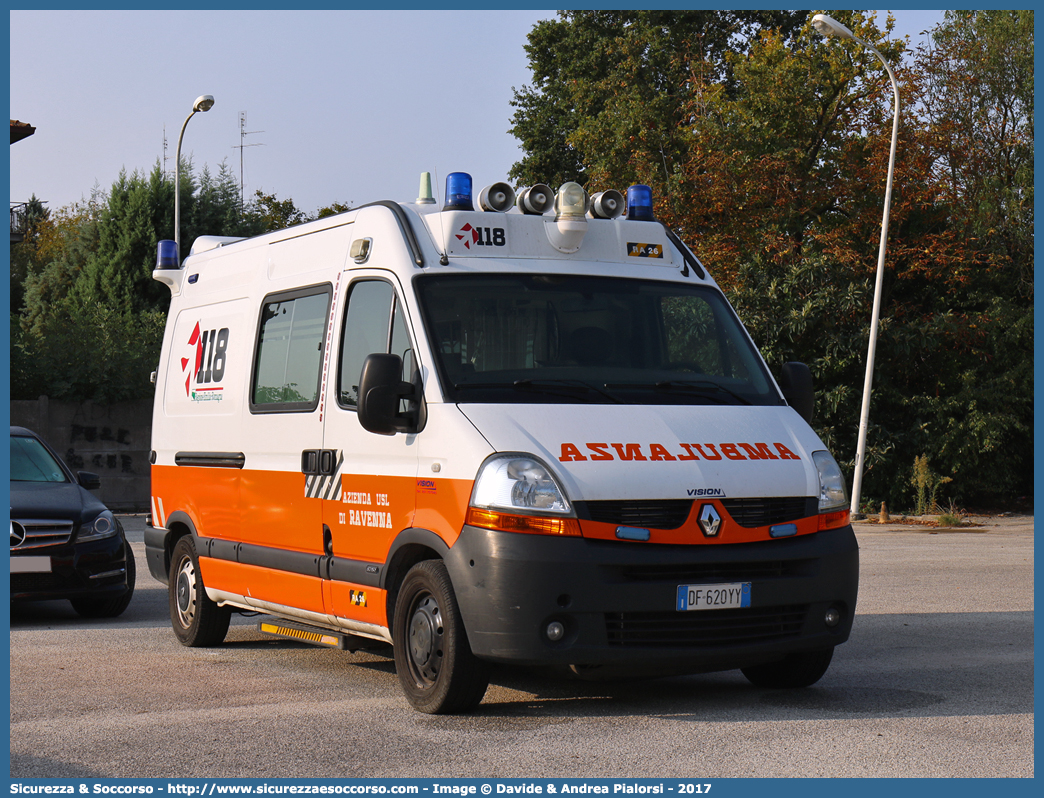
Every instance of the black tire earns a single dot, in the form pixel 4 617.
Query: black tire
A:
pixel 433 658
pixel 198 622
pixel 794 670
pixel 114 606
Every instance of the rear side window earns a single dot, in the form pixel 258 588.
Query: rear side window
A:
pixel 289 355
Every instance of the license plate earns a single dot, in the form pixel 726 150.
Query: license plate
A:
pixel 30 565
pixel 713 597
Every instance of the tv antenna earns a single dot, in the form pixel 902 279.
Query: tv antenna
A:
pixel 164 152
pixel 243 133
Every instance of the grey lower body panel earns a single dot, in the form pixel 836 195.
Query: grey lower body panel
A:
pixel 617 601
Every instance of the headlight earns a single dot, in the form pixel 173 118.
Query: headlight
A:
pixel 832 493
pixel 518 483
pixel 104 526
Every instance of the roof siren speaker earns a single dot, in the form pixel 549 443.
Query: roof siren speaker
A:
pixel 499 197
pixel 536 199
pixel 607 204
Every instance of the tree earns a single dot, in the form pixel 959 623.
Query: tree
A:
pixel 978 100
pixel 595 71
pixel 332 209
pixel 92 319
pixel 35 218
pixel 271 213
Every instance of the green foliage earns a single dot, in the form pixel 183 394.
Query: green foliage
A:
pixel 91 322
pixel 275 214
pixel 34 219
pixel 978 99
pixel 332 209
pixel 813 312
pixel 926 484
pixel 608 86
pixel 951 516
pixel 100 354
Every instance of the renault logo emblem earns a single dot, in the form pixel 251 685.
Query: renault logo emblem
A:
pixel 710 521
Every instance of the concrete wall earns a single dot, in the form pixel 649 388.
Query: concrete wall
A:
pixel 113 441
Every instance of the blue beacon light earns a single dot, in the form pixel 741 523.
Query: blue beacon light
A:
pixel 458 192
pixel 167 255
pixel 640 204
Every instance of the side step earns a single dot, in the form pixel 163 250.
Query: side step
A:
pixel 291 630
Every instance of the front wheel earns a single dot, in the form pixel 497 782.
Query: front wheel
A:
pixel 794 670
pixel 433 658
pixel 198 622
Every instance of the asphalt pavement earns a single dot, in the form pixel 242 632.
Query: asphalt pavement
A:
pixel 936 681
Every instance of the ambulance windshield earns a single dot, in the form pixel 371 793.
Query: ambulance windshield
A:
pixel 565 338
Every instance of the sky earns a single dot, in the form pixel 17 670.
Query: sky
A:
pixel 341 106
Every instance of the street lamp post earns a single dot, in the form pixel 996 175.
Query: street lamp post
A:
pixel 203 103
pixel 832 28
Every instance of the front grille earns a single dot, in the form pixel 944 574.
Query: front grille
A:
pixel 39 533
pixel 684 573
pixel 752 513
pixel 673 513
pixel 646 513
pixel 704 628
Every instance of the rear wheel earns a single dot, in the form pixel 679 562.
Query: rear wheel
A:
pixel 794 670
pixel 433 658
pixel 198 622
pixel 109 607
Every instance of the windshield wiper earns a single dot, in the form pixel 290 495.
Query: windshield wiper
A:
pixel 543 384
pixel 555 387
pixel 705 388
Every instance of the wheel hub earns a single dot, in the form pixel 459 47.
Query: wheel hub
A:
pixel 186 593
pixel 425 642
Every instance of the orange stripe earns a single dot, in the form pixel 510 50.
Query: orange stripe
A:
pixel 690 532
pixel 209 496
pixel 442 505
pixel 274 511
pixel 371 512
pixel 264 584
pixel 345 603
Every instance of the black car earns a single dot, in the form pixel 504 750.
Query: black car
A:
pixel 65 544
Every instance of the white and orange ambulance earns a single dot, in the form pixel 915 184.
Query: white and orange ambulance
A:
pixel 533 432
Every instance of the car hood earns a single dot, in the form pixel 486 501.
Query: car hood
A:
pixel 604 452
pixel 52 500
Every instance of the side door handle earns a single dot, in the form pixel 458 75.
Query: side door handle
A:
pixel 319 462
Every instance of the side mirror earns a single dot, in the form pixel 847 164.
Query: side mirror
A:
pixel 381 388
pixel 88 480
pixel 796 384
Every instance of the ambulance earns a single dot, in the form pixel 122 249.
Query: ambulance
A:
pixel 498 428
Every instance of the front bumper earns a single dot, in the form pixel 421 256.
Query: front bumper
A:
pixel 93 569
pixel 157 552
pixel 616 600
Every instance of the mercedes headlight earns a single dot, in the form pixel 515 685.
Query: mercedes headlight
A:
pixel 104 526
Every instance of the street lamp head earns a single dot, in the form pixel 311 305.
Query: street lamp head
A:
pixel 828 26
pixel 203 103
